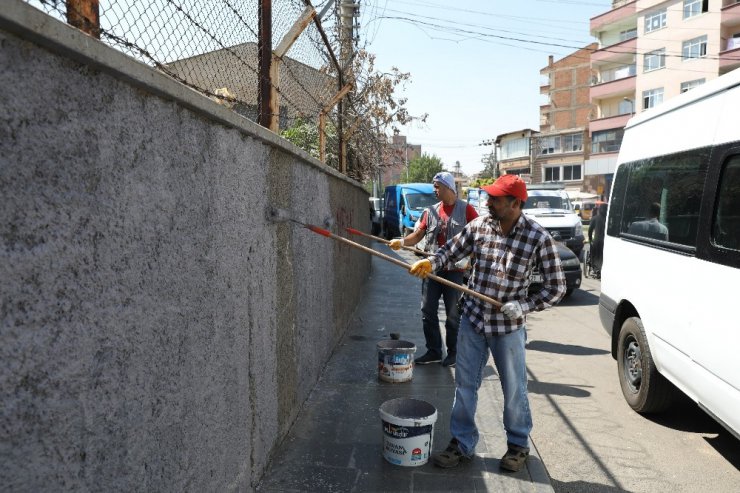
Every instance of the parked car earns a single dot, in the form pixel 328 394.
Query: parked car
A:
pixel 404 204
pixel 376 215
pixel 550 206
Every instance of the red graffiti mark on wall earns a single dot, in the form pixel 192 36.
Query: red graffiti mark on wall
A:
pixel 343 218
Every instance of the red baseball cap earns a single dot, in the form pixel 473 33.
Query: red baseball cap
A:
pixel 508 185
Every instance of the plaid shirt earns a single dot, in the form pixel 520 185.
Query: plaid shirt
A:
pixel 501 269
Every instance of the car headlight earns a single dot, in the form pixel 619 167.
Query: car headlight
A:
pixel 579 229
pixel 571 262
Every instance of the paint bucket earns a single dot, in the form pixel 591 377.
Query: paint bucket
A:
pixel 396 360
pixel 408 427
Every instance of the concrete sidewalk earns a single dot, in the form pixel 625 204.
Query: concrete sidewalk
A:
pixel 336 444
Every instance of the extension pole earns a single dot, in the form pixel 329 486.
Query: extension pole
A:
pixel 383 240
pixel 329 234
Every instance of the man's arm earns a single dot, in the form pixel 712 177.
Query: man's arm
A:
pixel 553 286
pixel 455 249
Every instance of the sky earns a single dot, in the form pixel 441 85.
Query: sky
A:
pixel 475 64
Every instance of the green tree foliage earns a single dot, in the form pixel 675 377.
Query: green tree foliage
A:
pixel 305 134
pixel 422 169
pixel 490 170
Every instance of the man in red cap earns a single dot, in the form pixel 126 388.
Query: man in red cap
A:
pixel 505 246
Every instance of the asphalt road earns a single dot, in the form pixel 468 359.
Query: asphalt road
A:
pixel 589 438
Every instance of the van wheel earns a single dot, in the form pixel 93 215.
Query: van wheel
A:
pixel 644 388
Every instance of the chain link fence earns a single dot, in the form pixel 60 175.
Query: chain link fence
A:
pixel 213 47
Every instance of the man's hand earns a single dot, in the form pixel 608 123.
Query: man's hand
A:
pixel 513 310
pixel 421 268
pixel 396 244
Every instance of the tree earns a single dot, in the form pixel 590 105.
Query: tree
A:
pixel 305 134
pixel 490 168
pixel 373 111
pixel 422 169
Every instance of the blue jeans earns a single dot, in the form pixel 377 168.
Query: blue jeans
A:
pixel 431 291
pixel 508 356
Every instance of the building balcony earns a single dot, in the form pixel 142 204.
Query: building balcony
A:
pixel 617 121
pixel 730 15
pixel 730 58
pixel 613 16
pixel 624 50
pixel 545 89
pixel 618 87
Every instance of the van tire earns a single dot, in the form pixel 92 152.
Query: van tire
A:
pixel 643 387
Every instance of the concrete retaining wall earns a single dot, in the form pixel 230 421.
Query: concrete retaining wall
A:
pixel 157 333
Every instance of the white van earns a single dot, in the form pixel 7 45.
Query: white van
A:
pixel 670 289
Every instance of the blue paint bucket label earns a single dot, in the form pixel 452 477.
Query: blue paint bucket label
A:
pixel 408 429
pixel 396 361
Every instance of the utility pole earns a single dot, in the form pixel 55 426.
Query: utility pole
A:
pixel 264 63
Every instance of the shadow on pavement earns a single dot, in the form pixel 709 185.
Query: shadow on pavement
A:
pixel 583 487
pixel 554 347
pixel 581 297
pixel 545 388
pixel 685 415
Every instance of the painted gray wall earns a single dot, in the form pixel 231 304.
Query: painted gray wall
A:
pixel 157 333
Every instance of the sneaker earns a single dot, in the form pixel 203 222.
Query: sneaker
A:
pixel 450 457
pixel 514 458
pixel 429 357
pixel 449 361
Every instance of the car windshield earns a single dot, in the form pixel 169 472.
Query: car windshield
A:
pixel 546 202
pixel 420 201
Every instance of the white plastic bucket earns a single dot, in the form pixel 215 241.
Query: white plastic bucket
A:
pixel 396 361
pixel 408 428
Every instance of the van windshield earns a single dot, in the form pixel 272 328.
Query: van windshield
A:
pixel 420 201
pixel 546 202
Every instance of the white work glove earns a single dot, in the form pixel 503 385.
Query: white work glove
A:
pixel 513 310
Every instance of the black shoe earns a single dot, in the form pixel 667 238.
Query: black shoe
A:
pixel 450 457
pixel 429 357
pixel 514 458
pixel 450 360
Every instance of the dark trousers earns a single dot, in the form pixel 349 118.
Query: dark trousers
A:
pixel 597 255
pixel 431 291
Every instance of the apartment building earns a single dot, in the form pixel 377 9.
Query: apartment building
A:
pixel 561 147
pixel 649 51
pixel 514 153
pixel 396 159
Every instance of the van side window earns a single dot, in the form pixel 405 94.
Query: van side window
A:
pixel 663 197
pixel 726 220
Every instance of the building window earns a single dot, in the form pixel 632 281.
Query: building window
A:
pixel 694 48
pixel 571 172
pixel 573 142
pixel 628 34
pixel 550 145
pixel 685 86
pixel 606 140
pixel 568 172
pixel 694 7
pixel 652 98
pixel 552 174
pixel 654 60
pixel 515 148
pixel 655 21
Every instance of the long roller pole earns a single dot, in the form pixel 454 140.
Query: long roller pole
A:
pixel 329 234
